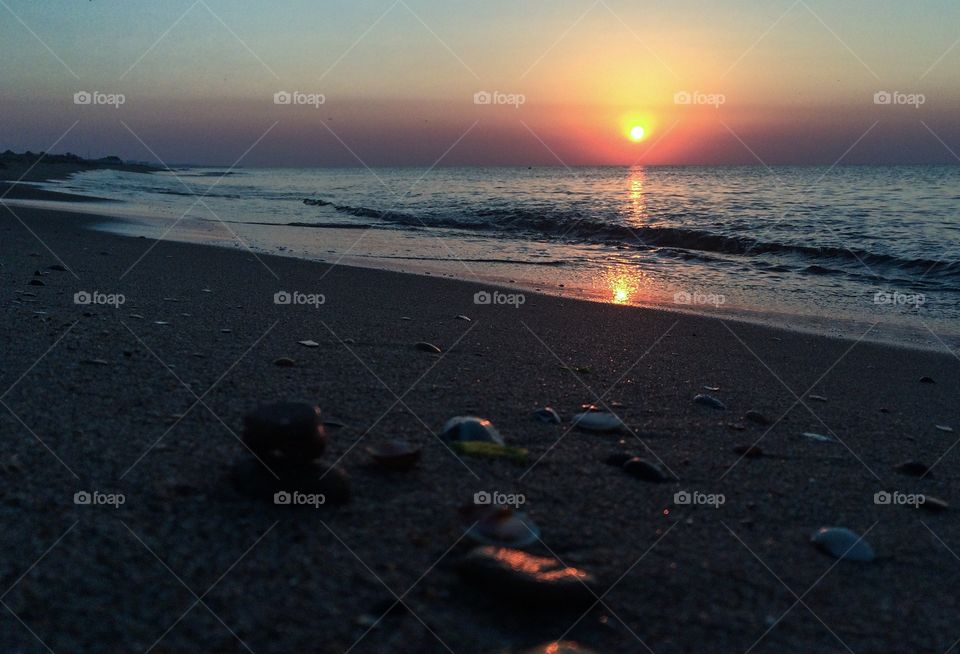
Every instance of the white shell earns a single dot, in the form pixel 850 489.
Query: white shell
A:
pixel 598 421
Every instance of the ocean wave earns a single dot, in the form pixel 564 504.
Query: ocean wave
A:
pixel 554 225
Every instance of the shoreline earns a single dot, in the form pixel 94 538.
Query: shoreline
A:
pixel 898 333
pixel 104 400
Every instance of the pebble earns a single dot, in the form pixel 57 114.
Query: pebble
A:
pixel 841 543
pixel 284 362
pixel 428 347
pixel 820 438
pixel 757 417
pixel 524 578
pixel 647 470
pixel 309 343
pixel 285 432
pixel 913 468
pixel 712 389
pixel 927 380
pixel 470 428
pixel 547 415
pixel 96 362
pixel 57 267
pixel 818 398
pixel 945 428
pixel 600 421
pixel 710 401
pixel 36 282
pixel 394 454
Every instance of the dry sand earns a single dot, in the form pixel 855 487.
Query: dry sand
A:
pixel 274 579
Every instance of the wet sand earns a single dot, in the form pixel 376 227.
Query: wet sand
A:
pixel 103 398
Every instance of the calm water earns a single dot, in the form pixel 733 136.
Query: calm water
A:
pixel 829 249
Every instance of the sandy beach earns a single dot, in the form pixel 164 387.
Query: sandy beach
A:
pixel 146 398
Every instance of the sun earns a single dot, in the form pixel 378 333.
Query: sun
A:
pixel 638 133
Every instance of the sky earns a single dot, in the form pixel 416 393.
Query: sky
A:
pixel 492 82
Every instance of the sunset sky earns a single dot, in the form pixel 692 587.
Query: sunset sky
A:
pixel 797 80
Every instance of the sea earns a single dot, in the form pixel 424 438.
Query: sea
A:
pixel 845 250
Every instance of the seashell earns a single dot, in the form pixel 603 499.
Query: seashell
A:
pixel 309 343
pixel 470 428
pixel 820 438
pixel 945 428
pixel 601 421
pixel 818 398
pixel 841 543
pixel 394 454
pixel 500 525
pixel 647 470
pixel 462 317
pixel 710 401
pixel 547 415
pixel 428 347
pixel 712 389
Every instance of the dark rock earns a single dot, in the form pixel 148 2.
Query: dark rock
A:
pixel 36 282
pixel 57 267
pixel 519 577
pixel 284 362
pixel 285 432
pixel 927 380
